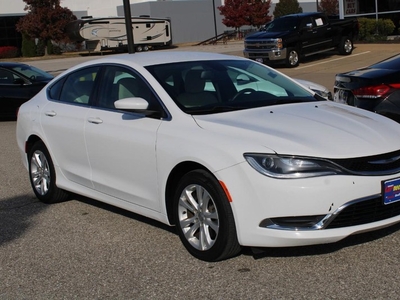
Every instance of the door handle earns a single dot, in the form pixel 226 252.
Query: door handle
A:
pixel 95 120
pixel 51 113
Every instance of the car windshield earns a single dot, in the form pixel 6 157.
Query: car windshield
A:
pixel 32 73
pixel 281 24
pixel 202 87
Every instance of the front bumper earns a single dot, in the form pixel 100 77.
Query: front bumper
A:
pixel 266 55
pixel 259 201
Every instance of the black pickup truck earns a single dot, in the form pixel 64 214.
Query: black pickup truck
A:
pixel 289 38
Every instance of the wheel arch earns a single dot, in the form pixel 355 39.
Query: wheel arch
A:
pixel 32 140
pixel 173 179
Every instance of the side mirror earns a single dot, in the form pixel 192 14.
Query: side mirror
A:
pixel 131 104
pixel 243 79
pixel 138 105
pixel 19 81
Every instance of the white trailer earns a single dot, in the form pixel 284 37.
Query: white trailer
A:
pixel 101 34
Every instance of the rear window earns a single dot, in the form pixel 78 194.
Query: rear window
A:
pixel 392 63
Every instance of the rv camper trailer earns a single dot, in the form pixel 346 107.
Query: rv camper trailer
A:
pixel 101 34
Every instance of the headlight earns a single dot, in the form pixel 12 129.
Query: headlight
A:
pixel 290 167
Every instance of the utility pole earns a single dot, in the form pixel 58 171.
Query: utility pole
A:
pixel 128 24
pixel 215 21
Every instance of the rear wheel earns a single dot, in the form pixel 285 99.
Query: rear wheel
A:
pixel 43 176
pixel 204 218
pixel 292 58
pixel 346 46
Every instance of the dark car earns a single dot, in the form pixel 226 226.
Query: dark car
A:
pixel 19 83
pixel 374 88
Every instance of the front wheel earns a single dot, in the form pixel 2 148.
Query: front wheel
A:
pixel 292 58
pixel 204 218
pixel 345 46
pixel 43 176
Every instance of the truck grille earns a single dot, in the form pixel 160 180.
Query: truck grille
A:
pixel 260 45
pixel 364 212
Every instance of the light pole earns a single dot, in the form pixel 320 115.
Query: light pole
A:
pixel 215 20
pixel 128 24
pixel 317 6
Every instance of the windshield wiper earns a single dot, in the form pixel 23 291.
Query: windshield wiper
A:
pixel 295 100
pixel 215 109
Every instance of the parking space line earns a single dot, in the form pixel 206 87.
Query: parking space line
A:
pixel 325 62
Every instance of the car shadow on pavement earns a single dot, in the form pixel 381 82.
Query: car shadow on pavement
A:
pixel 123 212
pixel 350 241
pixel 16 216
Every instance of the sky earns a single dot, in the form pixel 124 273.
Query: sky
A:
pixel 101 7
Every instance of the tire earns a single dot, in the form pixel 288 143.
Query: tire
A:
pixel 204 218
pixel 292 58
pixel 139 48
pixel 43 176
pixel 345 46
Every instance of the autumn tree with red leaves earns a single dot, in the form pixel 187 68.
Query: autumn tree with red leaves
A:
pixel 259 12
pixel 238 13
pixel 329 7
pixel 46 20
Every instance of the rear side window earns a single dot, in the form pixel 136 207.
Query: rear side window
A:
pixel 77 87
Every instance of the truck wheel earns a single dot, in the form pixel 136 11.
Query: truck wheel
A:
pixel 292 58
pixel 145 48
pixel 139 48
pixel 346 46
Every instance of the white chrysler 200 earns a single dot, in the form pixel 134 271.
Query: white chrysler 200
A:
pixel 231 152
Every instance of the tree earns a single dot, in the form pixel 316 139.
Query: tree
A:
pixel 235 13
pixel 238 13
pixel 330 7
pixel 287 7
pixel 46 20
pixel 259 12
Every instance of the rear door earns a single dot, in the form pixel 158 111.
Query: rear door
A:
pixel 63 120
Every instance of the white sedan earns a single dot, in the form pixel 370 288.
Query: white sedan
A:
pixel 191 140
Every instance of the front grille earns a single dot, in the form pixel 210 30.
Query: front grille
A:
pixel 388 163
pixel 364 212
pixel 260 46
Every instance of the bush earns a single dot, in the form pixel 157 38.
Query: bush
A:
pixel 28 46
pixel 385 27
pixel 371 30
pixel 8 52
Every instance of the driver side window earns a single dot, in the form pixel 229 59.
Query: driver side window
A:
pixel 119 83
pixel 6 77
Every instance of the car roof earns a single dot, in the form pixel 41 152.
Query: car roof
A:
pixel 144 59
pixel 302 15
pixel 11 64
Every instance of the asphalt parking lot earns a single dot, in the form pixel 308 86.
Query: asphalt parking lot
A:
pixel 82 249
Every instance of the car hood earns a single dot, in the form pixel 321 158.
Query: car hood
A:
pixel 266 35
pixel 320 129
